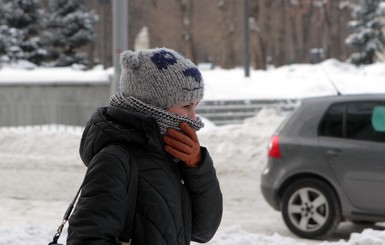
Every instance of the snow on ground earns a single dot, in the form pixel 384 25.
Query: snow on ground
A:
pixel 40 169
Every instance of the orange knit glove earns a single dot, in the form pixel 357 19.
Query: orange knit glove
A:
pixel 183 145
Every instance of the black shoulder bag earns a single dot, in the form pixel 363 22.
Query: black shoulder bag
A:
pixel 132 188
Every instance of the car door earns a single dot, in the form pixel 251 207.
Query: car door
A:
pixel 355 152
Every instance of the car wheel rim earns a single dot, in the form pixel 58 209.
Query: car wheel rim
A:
pixel 308 209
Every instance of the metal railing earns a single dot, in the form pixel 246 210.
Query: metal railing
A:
pixel 222 112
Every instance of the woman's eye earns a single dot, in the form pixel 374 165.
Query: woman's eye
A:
pixel 191 107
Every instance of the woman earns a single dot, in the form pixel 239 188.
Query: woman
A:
pixel 151 123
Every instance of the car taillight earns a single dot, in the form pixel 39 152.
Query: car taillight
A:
pixel 274 147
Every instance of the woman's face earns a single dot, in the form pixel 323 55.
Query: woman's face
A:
pixel 185 109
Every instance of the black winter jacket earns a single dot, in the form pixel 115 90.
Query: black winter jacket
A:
pixel 175 204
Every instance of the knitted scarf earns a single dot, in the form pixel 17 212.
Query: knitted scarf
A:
pixel 165 119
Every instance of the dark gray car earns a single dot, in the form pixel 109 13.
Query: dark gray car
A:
pixel 326 164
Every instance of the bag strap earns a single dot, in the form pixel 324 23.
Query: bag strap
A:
pixel 65 219
pixel 129 224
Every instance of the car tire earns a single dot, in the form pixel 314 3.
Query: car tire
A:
pixel 310 208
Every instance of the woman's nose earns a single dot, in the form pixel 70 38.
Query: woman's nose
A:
pixel 192 115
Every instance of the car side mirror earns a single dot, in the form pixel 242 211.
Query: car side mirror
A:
pixel 378 118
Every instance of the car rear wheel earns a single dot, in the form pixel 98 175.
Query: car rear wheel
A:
pixel 310 208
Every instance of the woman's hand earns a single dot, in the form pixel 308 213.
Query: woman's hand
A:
pixel 183 145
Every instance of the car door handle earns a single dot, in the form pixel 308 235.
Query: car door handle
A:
pixel 334 152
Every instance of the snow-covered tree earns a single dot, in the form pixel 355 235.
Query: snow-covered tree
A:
pixel 9 44
pixel 368 35
pixel 20 23
pixel 70 28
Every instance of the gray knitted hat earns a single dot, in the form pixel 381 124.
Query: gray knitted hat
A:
pixel 161 77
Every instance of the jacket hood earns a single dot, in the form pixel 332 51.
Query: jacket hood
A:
pixel 112 125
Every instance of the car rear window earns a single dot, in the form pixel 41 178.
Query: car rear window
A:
pixel 332 122
pixel 355 120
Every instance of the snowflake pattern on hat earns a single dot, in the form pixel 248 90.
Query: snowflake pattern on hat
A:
pixel 193 72
pixel 163 59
